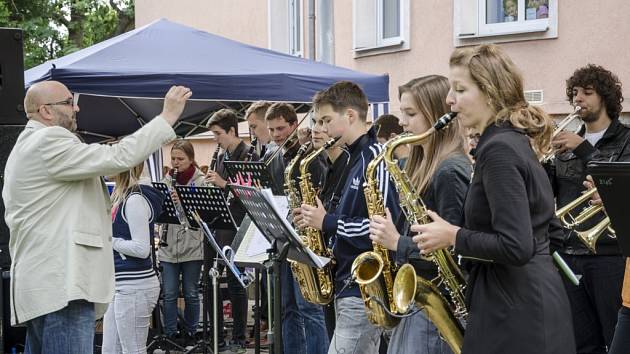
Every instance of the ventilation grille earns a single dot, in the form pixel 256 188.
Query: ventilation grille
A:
pixel 534 96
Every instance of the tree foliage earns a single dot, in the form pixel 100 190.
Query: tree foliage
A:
pixel 54 28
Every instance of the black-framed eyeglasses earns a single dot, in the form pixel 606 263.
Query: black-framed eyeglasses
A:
pixel 66 102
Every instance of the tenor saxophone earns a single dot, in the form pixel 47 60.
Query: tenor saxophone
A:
pixel 316 284
pixel 426 294
pixel 293 195
pixel 374 270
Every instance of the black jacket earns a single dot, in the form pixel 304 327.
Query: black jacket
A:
pixel 516 299
pixel 568 171
pixel 445 195
pixel 349 223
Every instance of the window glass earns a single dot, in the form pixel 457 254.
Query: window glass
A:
pixel 536 9
pixel 498 11
pixel 391 18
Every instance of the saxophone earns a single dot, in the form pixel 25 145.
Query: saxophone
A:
pixel 374 271
pixel 316 284
pixel 289 187
pixel 406 287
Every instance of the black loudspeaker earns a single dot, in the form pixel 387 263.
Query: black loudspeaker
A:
pixel 11 77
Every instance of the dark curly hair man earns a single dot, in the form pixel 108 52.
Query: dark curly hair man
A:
pixel 602 137
pixel 603 82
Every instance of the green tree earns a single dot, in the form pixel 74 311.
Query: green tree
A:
pixel 54 28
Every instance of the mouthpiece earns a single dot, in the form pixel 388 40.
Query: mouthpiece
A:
pixel 444 120
pixel 331 142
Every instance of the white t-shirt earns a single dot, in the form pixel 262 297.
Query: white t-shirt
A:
pixel 593 138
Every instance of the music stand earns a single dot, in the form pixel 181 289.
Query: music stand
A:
pixel 209 203
pixel 228 260
pixel 206 207
pixel 285 243
pixel 168 215
pixel 249 173
pixel 251 251
pixel 612 180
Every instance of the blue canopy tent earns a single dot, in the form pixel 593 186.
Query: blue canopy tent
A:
pixel 120 82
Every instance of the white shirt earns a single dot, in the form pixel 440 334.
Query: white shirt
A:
pixel 593 138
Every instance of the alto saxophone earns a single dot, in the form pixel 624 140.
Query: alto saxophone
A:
pixel 316 284
pixel 426 294
pixel 374 270
pixel 293 195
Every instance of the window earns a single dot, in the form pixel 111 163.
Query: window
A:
pixel 508 19
pixel 286 26
pixel 380 24
pixel 295 28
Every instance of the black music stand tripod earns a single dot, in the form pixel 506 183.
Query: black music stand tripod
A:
pixel 160 340
pixel 285 243
pixel 206 208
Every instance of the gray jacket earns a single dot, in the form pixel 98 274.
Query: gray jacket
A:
pixel 183 246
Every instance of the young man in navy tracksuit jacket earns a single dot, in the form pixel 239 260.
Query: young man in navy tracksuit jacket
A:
pixel 343 109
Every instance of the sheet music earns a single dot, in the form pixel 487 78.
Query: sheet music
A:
pixel 281 205
pixel 258 244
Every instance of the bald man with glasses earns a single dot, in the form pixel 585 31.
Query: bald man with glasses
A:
pixel 59 216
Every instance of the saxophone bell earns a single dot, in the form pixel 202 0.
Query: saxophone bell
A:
pixel 410 289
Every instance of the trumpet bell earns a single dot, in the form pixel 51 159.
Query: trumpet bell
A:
pixel 589 237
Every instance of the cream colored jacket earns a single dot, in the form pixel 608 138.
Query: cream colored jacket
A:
pixel 59 215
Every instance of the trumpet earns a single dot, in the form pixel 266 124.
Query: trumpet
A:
pixel 590 236
pixel 559 128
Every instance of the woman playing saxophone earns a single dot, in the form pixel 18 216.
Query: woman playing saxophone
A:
pixel 515 299
pixel 439 171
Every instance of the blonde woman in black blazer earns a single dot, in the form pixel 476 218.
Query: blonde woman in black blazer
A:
pixel 515 297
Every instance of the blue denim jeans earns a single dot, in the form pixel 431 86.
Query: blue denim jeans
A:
pixel 417 334
pixel 354 334
pixel 190 272
pixel 67 331
pixel 303 324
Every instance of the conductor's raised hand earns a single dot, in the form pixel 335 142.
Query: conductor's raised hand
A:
pixel 174 103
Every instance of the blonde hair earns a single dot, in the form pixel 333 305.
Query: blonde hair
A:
pixel 501 81
pixel 429 95
pixel 126 182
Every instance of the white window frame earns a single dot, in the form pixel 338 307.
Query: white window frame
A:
pixel 505 28
pixel 383 45
pixel 469 31
pixel 282 30
pixel 380 26
pixel 296 32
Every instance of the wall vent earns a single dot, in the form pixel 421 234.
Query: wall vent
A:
pixel 534 96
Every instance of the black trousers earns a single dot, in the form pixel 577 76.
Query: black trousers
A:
pixel 596 301
pixel 621 341
pixel 238 297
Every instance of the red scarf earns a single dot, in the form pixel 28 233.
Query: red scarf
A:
pixel 183 177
